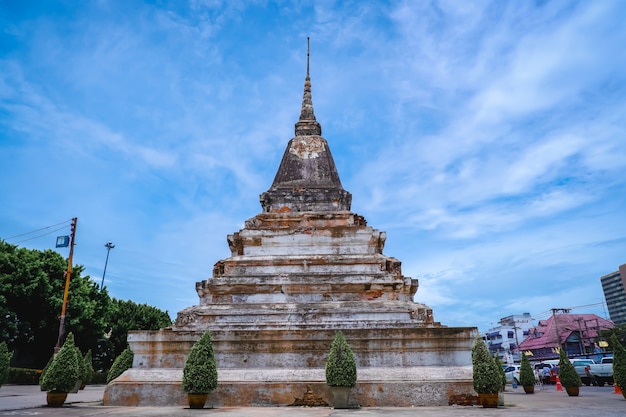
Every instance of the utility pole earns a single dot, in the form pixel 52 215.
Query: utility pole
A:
pixel 109 245
pixel 68 274
pixel 556 324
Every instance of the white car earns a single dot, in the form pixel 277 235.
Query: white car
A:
pixel 512 374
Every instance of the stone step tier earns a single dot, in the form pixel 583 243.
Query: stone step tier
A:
pixel 404 386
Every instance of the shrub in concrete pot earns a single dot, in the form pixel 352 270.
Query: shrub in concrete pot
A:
pixel 526 375
pixel 568 375
pixel 200 372
pixel 62 374
pixel 486 375
pixel 123 362
pixel 340 370
pixel 619 364
pixel 88 368
pixel 5 359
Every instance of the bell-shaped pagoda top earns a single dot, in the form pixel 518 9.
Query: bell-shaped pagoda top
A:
pixel 307 178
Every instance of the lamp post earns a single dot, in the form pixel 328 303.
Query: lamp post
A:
pixel 109 246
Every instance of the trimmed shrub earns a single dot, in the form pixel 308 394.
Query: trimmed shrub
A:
pixel 619 363
pixel 526 374
pixel 24 376
pixel 5 360
pixel 486 375
pixel 567 373
pixel 64 371
pixel 88 368
pixel 200 370
pixel 502 373
pixel 340 364
pixel 99 378
pixel 123 362
pixel 81 364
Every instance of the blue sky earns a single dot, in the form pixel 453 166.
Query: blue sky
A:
pixel 486 138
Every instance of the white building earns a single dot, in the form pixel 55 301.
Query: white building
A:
pixel 505 338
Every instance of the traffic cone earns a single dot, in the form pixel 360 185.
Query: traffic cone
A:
pixel 618 390
pixel 559 387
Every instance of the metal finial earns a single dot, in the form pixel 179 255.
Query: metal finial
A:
pixel 308 54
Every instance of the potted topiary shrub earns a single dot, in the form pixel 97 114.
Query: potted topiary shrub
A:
pixel 5 360
pixel 526 376
pixel 88 368
pixel 123 362
pixel 486 375
pixel 502 374
pixel 61 376
pixel 568 375
pixel 619 364
pixel 340 370
pixel 81 370
pixel 200 372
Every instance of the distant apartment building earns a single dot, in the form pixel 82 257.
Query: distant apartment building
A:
pixel 614 287
pixel 505 338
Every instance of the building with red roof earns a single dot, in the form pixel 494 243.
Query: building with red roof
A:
pixel 577 333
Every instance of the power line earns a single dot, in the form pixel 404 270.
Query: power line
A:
pixel 38 230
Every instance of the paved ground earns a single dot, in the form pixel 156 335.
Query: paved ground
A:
pixel 593 402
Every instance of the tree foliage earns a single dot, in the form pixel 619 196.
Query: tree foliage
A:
pixel 65 369
pixel 88 367
pixel 486 375
pixel 567 373
pixel 128 315
pixel 200 370
pixel 5 358
pixel 607 335
pixel 340 364
pixel 502 373
pixel 526 374
pixel 32 283
pixel 123 362
pixel 619 363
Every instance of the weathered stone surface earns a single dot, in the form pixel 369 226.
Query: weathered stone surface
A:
pixel 299 271
pixel 382 387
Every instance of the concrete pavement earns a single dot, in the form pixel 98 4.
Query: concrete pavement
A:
pixel 19 400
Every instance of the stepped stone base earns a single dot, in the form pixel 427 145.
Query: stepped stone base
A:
pixel 381 387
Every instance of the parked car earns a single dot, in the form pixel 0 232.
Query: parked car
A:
pixel 512 374
pixel 601 373
pixel 581 369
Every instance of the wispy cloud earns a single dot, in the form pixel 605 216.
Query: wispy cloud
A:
pixel 486 138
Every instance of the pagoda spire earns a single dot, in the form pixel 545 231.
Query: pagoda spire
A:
pixel 307 125
pixel 307 178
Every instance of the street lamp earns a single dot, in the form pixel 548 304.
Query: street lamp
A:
pixel 109 246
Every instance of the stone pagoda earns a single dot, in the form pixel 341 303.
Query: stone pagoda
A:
pixel 299 271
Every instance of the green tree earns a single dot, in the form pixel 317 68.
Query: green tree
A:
pixel 200 370
pixel 5 359
pixel 32 283
pixel 88 367
pixel 128 315
pixel 619 363
pixel 567 373
pixel 619 331
pixel 123 362
pixel 64 371
pixel 486 375
pixel 526 374
pixel 341 363
pixel 502 373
